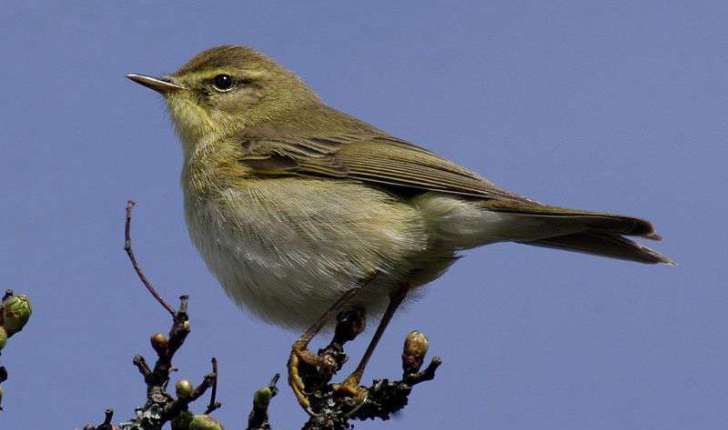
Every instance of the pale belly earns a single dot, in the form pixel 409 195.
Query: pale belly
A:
pixel 287 253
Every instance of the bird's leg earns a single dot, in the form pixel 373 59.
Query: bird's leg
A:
pixel 300 354
pixel 350 386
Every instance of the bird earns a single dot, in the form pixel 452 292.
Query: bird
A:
pixel 302 211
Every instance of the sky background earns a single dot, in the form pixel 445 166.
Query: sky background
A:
pixel 616 106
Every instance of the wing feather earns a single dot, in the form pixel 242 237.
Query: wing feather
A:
pixel 367 157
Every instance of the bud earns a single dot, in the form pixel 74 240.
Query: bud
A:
pixel 205 422
pixel 1 395
pixel 16 312
pixel 415 349
pixel 184 389
pixel 3 337
pixel 159 342
pixel 262 397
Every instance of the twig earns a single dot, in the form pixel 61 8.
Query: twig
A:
pixel 173 408
pixel 106 425
pixel 426 375
pixel 143 367
pixel 109 415
pixel 213 405
pixel 127 247
pixel 334 411
pixel 161 406
pixel 258 418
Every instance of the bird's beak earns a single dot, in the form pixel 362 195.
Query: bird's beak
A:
pixel 162 85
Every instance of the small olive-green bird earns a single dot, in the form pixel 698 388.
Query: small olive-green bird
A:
pixel 297 207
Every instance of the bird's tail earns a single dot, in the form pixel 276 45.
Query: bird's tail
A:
pixel 604 245
pixel 580 231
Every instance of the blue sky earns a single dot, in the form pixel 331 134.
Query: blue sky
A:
pixel 614 106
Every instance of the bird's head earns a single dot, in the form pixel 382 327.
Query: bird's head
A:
pixel 225 89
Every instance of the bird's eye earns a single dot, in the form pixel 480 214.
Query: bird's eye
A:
pixel 223 82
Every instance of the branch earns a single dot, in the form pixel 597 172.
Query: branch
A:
pixel 384 397
pixel 213 405
pixel 127 247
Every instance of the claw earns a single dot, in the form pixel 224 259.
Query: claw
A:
pixel 299 354
pixel 323 365
pixel 295 381
pixel 351 388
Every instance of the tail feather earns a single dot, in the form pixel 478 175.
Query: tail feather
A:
pixel 604 245
pixel 581 231
pixel 586 220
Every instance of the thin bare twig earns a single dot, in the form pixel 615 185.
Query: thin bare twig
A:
pixel 127 247
pixel 213 405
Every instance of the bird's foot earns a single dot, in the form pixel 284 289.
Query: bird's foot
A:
pixel 308 373
pixel 303 362
pixel 350 388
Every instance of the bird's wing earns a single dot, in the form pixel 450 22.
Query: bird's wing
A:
pixel 366 157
